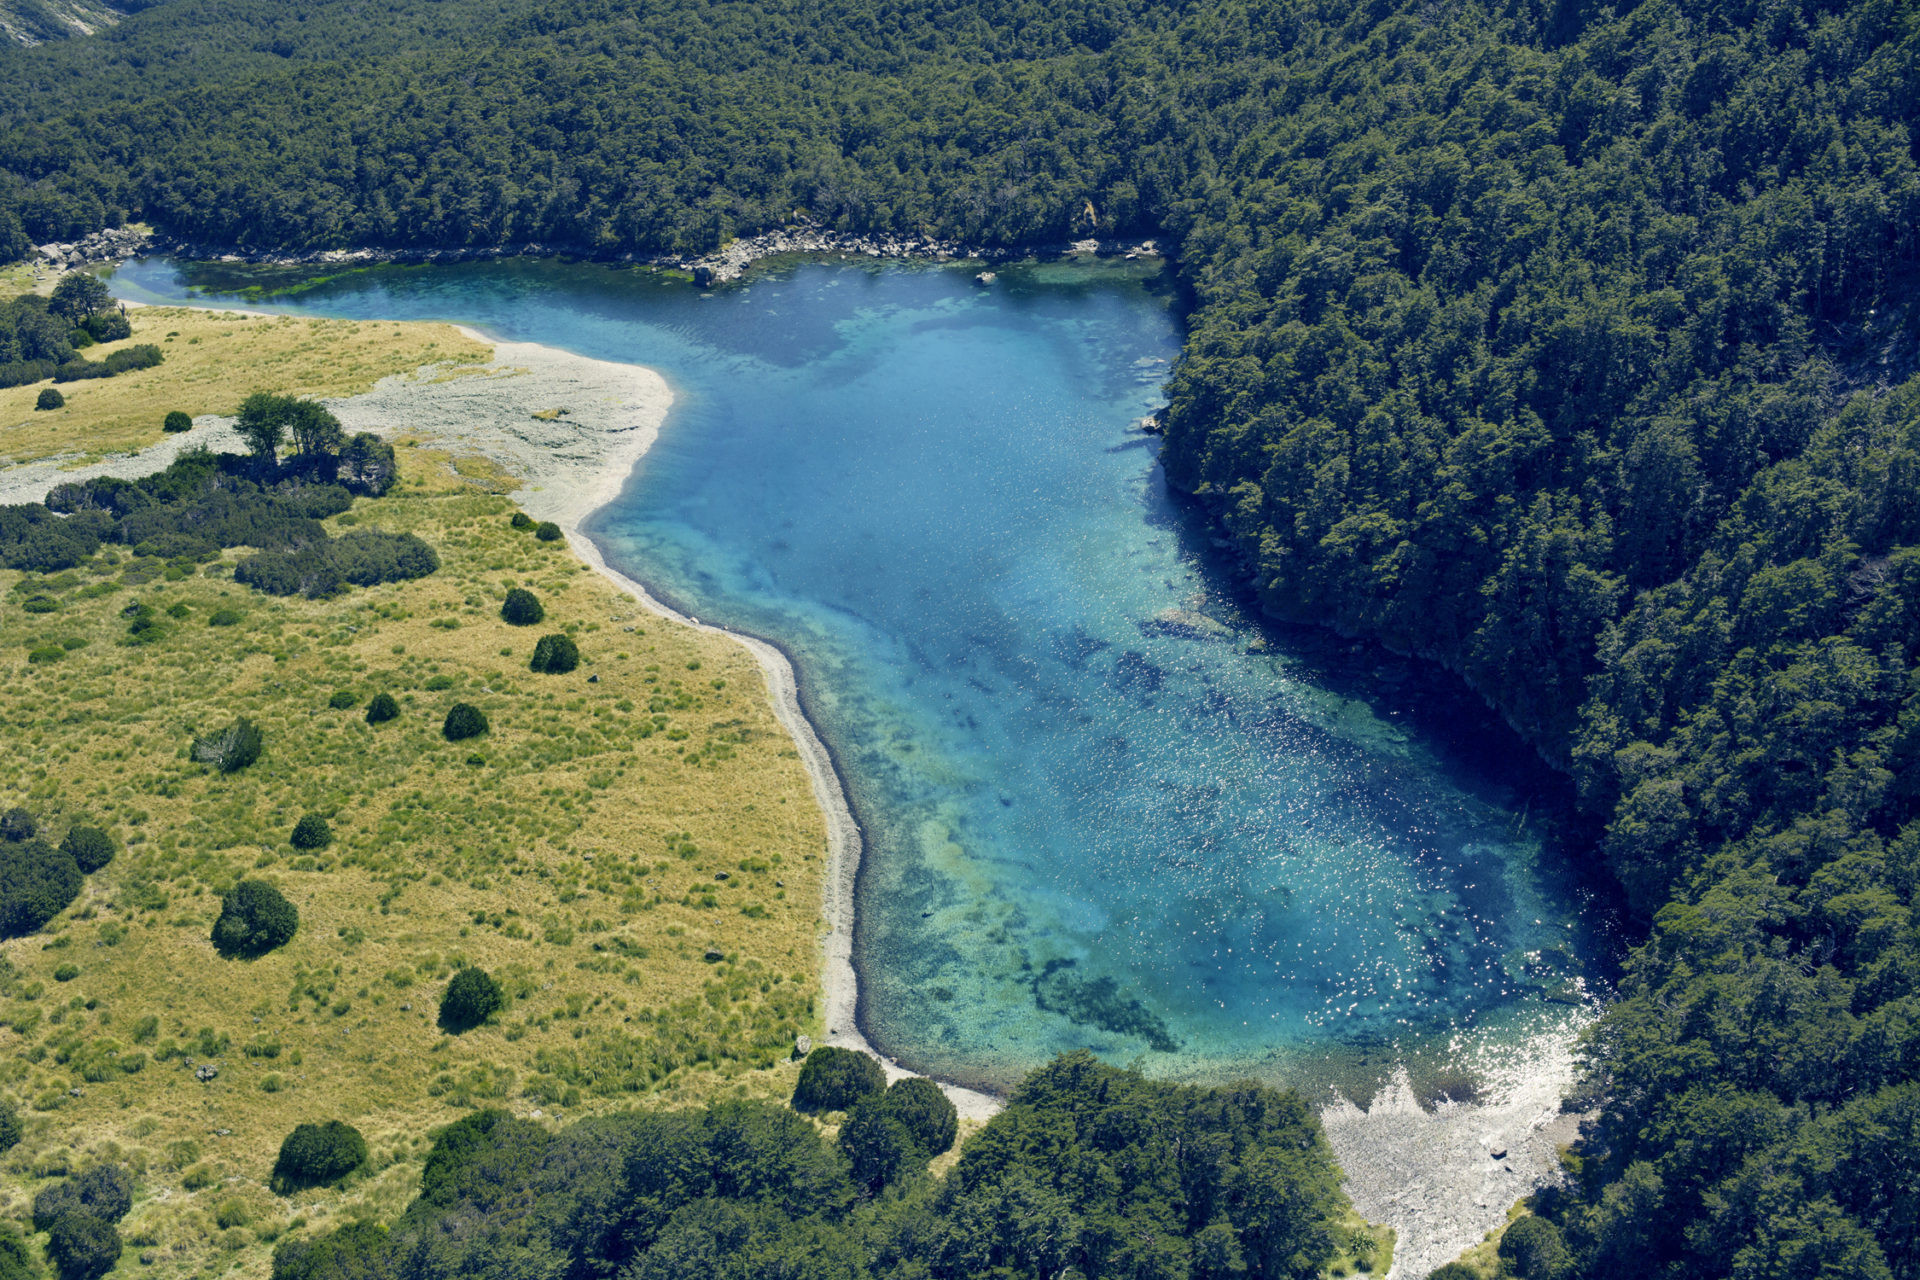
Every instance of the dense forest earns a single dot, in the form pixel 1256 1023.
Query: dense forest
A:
pixel 1567 346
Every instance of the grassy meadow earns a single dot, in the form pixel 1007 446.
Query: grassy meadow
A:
pixel 214 360
pixel 632 850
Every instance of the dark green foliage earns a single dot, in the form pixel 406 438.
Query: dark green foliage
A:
pixel 16 1256
pixel 833 1079
pixel 17 824
pixel 89 847
pixel 522 608
pixel 176 421
pixel 254 918
pixel 382 708
pixel 37 882
pixel 520 520
pixel 362 558
pixel 77 296
pixel 470 999
pixel 108 326
pixel 50 399
pixel 10 1128
pixel 83 1247
pixel 33 538
pixel 343 700
pixel 104 1192
pixel 547 531
pixel 1533 1250
pixel 464 721
pixel 556 654
pixel 357 1251
pixel 367 465
pixel 1453 1271
pixel 232 748
pixel 126 360
pixel 924 1112
pixel 878 1148
pixel 317 1155
pixel 311 832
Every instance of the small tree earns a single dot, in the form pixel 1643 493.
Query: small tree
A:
pixel 522 608
pixel 89 847
pixel 176 422
pixel 317 1155
pixel 382 708
pixel 834 1079
pixel 50 399
pixel 520 520
pixel 83 1247
pixel 556 654
pixel 37 881
pixel 263 424
pixel 232 749
pixel 17 824
pixel 1533 1250
pixel 311 832
pixel 471 998
pixel 79 295
pixel 464 720
pixel 367 465
pixel 547 531
pixel 926 1113
pixel 104 1192
pixel 254 918
pixel 878 1148
pixel 316 432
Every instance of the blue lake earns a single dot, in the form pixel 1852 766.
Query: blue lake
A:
pixel 1104 805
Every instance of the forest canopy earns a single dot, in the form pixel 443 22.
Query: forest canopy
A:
pixel 1568 346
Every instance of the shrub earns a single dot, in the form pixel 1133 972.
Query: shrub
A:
pixel 16 1259
pixel 83 1247
pixel 471 998
pixel 89 847
pixel 926 1113
pixel 254 918
pixel 834 1079
pixel 37 882
pixel 521 520
pixel 311 832
pixel 17 825
pixel 318 1155
pixel 367 465
pixel 355 1250
pixel 1533 1250
pixel 464 721
pixel 547 531
pixel 10 1128
pixel 50 399
pixel 107 326
pixel 522 608
pixel 225 616
pixel 382 709
pixel 556 654
pixel 104 1192
pixel 878 1148
pixel 232 749
pixel 1453 1271
pixel 342 700
pixel 176 421
pixel 45 653
pixel 66 973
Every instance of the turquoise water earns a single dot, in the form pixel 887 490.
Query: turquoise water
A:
pixel 1104 806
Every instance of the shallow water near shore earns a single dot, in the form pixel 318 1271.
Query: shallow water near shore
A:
pixel 1104 806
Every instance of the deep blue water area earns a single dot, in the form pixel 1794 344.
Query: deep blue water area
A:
pixel 1104 805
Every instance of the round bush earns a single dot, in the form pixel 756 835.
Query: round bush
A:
pixel 342 700
pixel 318 1155
pixel 464 721
pixel 547 531
pixel 522 608
pixel 927 1115
pixel 878 1148
pixel 521 520
pixel 176 422
pixel 83 1247
pixel 10 1127
pixel 471 998
pixel 254 918
pixel 17 824
pixel 89 847
pixel 311 832
pixel 834 1079
pixel 50 399
pixel 1533 1250
pixel 37 881
pixel 556 655
pixel 104 1192
pixel 382 709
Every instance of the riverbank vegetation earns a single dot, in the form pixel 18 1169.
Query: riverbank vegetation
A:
pixel 631 853
pixel 1567 346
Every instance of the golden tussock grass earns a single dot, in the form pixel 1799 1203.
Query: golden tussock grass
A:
pixel 214 360
pixel 637 858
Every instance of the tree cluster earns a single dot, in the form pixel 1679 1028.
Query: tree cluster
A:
pixel 1089 1171
pixel 39 880
pixel 80 1216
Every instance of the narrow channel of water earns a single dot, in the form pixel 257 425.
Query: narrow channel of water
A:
pixel 1104 806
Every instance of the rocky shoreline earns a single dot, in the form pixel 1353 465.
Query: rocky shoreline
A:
pixel 727 263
